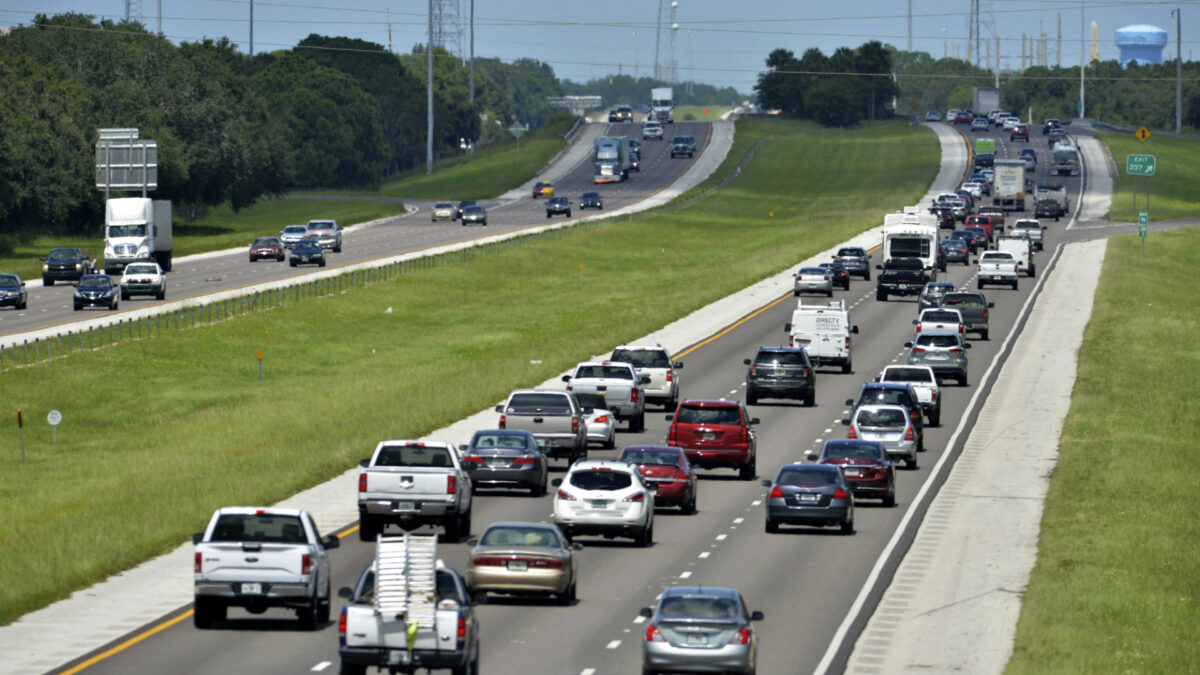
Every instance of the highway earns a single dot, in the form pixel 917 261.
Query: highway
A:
pixel 199 276
pixel 804 580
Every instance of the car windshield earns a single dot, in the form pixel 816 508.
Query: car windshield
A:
pixel 881 419
pixel 511 441
pixel 63 254
pixel 655 457
pixel 295 229
pixel 605 372
pixel 265 241
pixel 698 607
pixel 504 535
pixel 806 476
pixel 9 280
pixel 126 231
pixel 321 224
pixel 473 211
pixel 909 375
pixel 554 404
pixel 140 268
pixel 643 358
pixel 94 282
pixel 443 205
pixel 307 245
pixel 927 340
pixel 790 358
pixel 275 529
pixel 463 205
pixel 853 450
pixel 714 415
pixel 413 455
pixel 591 195
pixel 601 479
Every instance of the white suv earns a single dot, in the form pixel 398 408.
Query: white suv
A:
pixel 655 361
pixel 652 129
pixel 606 498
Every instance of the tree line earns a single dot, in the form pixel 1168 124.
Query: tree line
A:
pixel 332 112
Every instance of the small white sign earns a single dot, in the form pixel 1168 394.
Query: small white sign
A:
pixel 54 417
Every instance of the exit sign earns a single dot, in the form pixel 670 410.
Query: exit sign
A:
pixel 1140 165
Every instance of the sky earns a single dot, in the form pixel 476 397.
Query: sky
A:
pixel 723 43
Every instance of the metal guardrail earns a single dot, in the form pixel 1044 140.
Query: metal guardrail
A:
pixel 574 127
pixel 1114 127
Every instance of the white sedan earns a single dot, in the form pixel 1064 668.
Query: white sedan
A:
pixel 601 423
pixel 143 278
pixel 975 189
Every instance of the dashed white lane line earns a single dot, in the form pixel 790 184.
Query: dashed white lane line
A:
pixel 738 521
pixel 639 619
pixel 704 554
pixel 828 431
pixel 588 671
pixel 321 666
pixel 685 575
pixel 613 645
pixel 756 502
pixel 721 537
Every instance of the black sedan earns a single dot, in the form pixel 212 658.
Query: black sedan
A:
pixel 12 292
pixel 96 290
pixel 307 252
pixel 558 206
pixel 65 264
pixel 462 206
pixel 474 215
pixel 838 274
pixel 591 200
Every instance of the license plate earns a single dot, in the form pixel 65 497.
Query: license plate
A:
pixel 601 504
pixel 852 472
pixel 517 565
pixel 809 498
pixel 396 657
pixel 780 372
pixel 697 639
pixel 498 462
pixel 405 506
pixel 707 436
pixel 901 284
pixel 251 589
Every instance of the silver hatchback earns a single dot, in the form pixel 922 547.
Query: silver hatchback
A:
pixel 700 630
pixel 890 425
pixel 945 352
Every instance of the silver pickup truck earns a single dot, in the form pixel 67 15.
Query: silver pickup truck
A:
pixel 553 416
pixel 414 483
pixel 408 612
pixel 620 384
pixel 997 268
pixel 257 558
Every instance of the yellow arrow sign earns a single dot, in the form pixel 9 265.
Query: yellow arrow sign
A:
pixel 1142 134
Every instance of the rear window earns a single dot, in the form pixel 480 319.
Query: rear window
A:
pixel 889 396
pixel 909 375
pixel 512 441
pixel 698 607
pixel 609 372
pixel 643 358
pixel 266 528
pixel 520 536
pixel 940 316
pixel 697 415
pixel 601 480
pixel 852 450
pixel 881 418
pixel 656 457
pixel 851 252
pixel 817 271
pixel 792 358
pixel 927 340
pixel 555 404
pixel 806 476
pixel 594 401
pixel 413 455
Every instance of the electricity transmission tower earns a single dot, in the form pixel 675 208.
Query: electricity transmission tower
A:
pixel 133 10
pixel 447 27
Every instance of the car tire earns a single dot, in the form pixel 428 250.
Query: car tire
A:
pixel 889 499
pixel 1032 269
pixel 47 282
pixel 638 424
pixel 568 213
pixel 848 525
pixel 253 259
pixel 338 249
pixel 611 442
pixel 751 396
pixel 867 275
pixel 810 399
pixel 547 215
pixel 935 417
pixel 829 293
pixel 910 463
pixel 796 294
pixel 321 264
pixel 114 305
pixel 76 308
pixel 368 527
pixel 1014 285
pixel 689 507
pixel 881 296
pixel 771 527
pixel 567 597
pixel 124 296
pixel 23 305
pixel 983 334
pixel 323 610
pixel 292 262
pixel 203 614
pixel 479 597
pixel 962 381
pixel 748 471
pixel 847 367
pixel 162 295
pixel 308 616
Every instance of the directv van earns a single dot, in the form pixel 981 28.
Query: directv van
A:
pixel 824 332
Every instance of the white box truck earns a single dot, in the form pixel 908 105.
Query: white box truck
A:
pixel 136 229
pixel 985 100
pixel 824 332
pixel 1009 190
pixel 662 104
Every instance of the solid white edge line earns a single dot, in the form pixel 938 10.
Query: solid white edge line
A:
pixel 859 602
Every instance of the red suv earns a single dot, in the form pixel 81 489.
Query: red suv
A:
pixel 715 434
pixel 1020 131
pixel 981 221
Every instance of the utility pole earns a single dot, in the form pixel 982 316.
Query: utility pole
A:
pixel 1058 59
pixel 429 96
pixel 472 53
pixel 251 28
pixel 1082 62
pixel 910 25
pixel 1178 72
pixel 997 60
pixel 970 30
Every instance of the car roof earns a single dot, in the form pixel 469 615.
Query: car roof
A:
pixel 656 348
pixel 606 464
pixel 708 403
pixel 781 349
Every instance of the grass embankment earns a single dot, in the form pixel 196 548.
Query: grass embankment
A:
pixel 1173 192
pixel 687 113
pixel 489 172
pixel 220 228
pixel 138 468
pixel 1116 587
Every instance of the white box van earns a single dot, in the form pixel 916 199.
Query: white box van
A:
pixel 1021 249
pixel 824 332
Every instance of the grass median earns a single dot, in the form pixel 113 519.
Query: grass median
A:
pixel 1173 192
pixel 1116 587
pixel 158 433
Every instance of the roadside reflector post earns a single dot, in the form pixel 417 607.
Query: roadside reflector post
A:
pixel 580 274
pixel 54 417
pixel 260 357
pixel 21 429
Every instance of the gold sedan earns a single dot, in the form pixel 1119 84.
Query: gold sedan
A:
pixel 520 558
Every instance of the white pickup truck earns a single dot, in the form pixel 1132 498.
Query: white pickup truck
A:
pixel 414 483
pixel 257 558
pixel 408 612
pixel 923 381
pixel 619 383
pixel 997 268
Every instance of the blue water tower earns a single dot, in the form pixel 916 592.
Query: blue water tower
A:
pixel 1143 44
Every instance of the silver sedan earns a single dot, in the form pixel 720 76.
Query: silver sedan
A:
pixel 601 423
pixel 700 630
pixel 813 280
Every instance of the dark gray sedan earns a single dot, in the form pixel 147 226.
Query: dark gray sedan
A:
pixel 809 494
pixel 700 630
pixel 307 252
pixel 12 292
pixel 499 458
pixel 474 215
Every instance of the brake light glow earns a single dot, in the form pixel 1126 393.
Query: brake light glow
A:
pixel 564 495
pixel 574 425
pixel 753 369
pixel 462 628
pixel 503 421
pixel 671 435
pixel 908 435
pixel 653 634
pixel 741 637
pixel 853 433
pixel 636 497
pixel 198 567
pixel 524 459
pixel 603 419
pixel 680 474
pixel 985 313
pixel 840 493
pixel 668 376
pixel 306 564
pixel 451 484
pixel 918 350
pixel 776 492
pixel 362 482
pixel 342 626
pixel 634 395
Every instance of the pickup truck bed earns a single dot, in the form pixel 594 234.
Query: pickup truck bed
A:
pixel 413 483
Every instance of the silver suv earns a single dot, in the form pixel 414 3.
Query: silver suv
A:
pixel 946 353
pixel 655 361
pixel 652 129
pixel 329 235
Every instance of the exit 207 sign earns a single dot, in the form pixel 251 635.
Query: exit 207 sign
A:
pixel 1140 165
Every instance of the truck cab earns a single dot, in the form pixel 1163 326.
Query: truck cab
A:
pixel 136 229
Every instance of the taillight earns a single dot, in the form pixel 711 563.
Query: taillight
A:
pixel 668 376
pixel 840 493
pixel 636 497
pixel 342 626
pixel 524 459
pixel 985 313
pixel 960 329
pixel 920 327
pixel 472 458
pixel 503 421
pixel 741 637
pixel 908 435
pixel 462 628
pixel 776 492
pixel 935 395
pixel 653 635
pixel 306 564
pixel 826 278
pixel 603 419
pixel 956 350
pixel 912 414
pixel 680 474
pixel 570 387
pixel 634 397
pixel 753 369
pixel 918 350
pixel 853 433
pixel 807 373
pixel 574 425
pixel 451 484
pixel 563 494
pixel 671 435
pixel 362 482
pixel 745 434
pixel 791 341
pixel 198 562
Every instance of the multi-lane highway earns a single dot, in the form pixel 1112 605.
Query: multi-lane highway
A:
pixel 199 276
pixel 805 581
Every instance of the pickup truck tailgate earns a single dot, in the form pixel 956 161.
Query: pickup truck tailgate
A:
pixel 366 628
pixel 407 481
pixel 268 563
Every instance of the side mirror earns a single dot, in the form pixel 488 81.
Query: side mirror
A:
pixel 787 326
pixel 765 482
pixel 677 364
pixel 645 379
pixel 754 420
pixel 845 422
pixel 473 541
pixel 346 592
pixel 646 612
pixel 566 378
pixel 991 305
pixel 812 456
pixel 197 538
pixel 746 361
pixel 499 408
pixel 332 541
pixel 854 329
pixel 556 482
pixel 908 344
pixel 364 462
pixel 756 616
pixel 914 322
pixel 966 345
pixel 463 447
pixel 576 546
pixel 877 378
pixel 850 401
pixel 670 417
pixel 975 261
